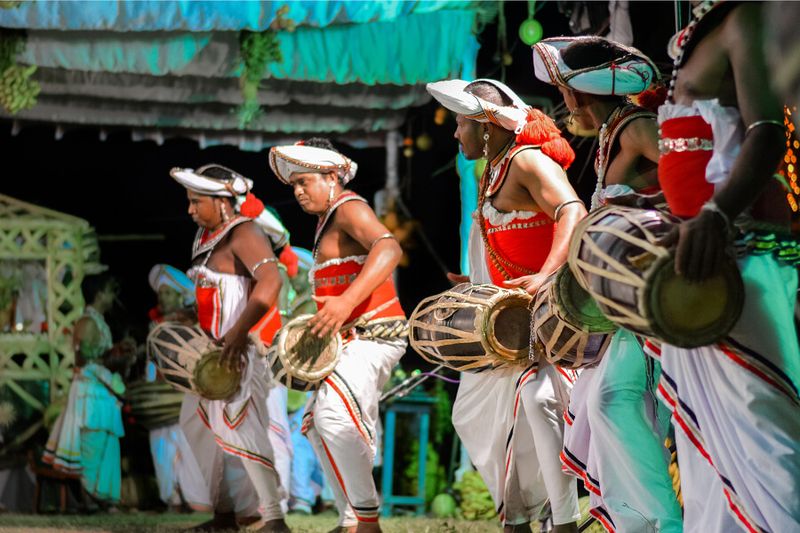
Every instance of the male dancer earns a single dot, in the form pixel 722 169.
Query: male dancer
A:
pixel 510 421
pixel 735 405
pixel 620 455
pixel 354 257
pixel 237 285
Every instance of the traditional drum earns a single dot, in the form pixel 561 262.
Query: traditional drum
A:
pixel 470 328
pixel 569 328
pixel 298 358
pixel 154 404
pixel 614 257
pixel 189 361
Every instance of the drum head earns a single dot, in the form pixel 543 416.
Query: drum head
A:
pixel 215 382
pixel 301 359
pixel 577 306
pixel 689 315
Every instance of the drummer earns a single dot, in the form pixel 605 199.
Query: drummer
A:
pixel 237 284
pixel 177 472
pixel 735 405
pixel 615 436
pixel 515 242
pixel 354 257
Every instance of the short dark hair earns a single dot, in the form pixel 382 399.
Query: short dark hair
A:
pixel 489 92
pixel 591 52
pixel 320 142
pixel 93 284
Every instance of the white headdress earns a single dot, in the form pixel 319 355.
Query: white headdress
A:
pixel 172 277
pixel 286 160
pixel 237 187
pixel 632 73
pixel 451 94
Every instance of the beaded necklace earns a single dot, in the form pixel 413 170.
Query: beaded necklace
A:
pixel 602 156
pixel 683 38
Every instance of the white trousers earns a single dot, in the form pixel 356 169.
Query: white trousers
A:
pixel 341 424
pixel 177 471
pixel 736 412
pixel 239 429
pixel 511 423
pixel 628 427
pixel 280 438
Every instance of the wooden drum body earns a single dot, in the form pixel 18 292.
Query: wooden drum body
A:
pixel 472 327
pixel 298 358
pixel 154 404
pixel 189 361
pixel 569 328
pixel 614 256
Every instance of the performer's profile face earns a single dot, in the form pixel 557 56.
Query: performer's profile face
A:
pixel 169 299
pixel 468 135
pixel 204 210
pixel 312 190
pixel 574 106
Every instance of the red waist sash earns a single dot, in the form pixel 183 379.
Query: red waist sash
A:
pixel 682 174
pixel 209 315
pixel 333 280
pixel 519 247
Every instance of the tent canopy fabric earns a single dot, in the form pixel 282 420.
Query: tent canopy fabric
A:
pixel 171 68
pixel 215 15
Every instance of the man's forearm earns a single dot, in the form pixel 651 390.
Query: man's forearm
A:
pixel 755 165
pixel 262 299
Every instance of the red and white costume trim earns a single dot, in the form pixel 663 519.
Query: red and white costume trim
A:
pixel 734 405
pixel 240 424
pixel 342 418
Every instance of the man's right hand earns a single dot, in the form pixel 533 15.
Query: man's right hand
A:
pixel 455 279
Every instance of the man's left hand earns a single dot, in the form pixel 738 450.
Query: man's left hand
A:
pixel 700 245
pixel 530 283
pixel 332 316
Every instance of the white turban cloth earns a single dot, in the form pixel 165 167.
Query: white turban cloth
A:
pixel 287 160
pixel 451 94
pixel 632 73
pixel 196 181
pixel 170 276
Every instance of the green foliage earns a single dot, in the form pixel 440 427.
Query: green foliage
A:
pixel 18 91
pixel 258 49
pixel 444 506
pixel 476 501
pixel 435 474
pixel 442 413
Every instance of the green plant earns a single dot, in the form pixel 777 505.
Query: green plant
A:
pixel 257 49
pixel 18 91
pixel 476 501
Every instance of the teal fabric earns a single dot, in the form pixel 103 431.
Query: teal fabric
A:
pixel 469 202
pixel 416 49
pixel 220 15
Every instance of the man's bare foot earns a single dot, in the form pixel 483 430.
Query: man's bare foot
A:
pixel 220 522
pixel 270 526
pixel 571 527
pixel 517 528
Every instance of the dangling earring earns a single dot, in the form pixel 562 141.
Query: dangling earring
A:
pixel 486 145
pixel 223 212
pixel 330 195
pixel 570 119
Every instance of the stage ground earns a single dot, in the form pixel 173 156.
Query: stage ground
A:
pixel 136 522
pixel 169 522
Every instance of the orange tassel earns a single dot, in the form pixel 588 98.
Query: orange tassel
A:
pixel 540 130
pixel 290 260
pixel 252 206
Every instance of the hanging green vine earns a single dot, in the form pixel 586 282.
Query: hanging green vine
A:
pixel 18 90
pixel 258 50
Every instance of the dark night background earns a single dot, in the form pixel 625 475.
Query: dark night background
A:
pixel 123 187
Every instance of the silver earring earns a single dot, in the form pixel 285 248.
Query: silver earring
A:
pixel 224 213
pixel 486 145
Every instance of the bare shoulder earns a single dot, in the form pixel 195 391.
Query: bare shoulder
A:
pixel 742 23
pixel 534 163
pixel 354 210
pixel 638 131
pixel 247 230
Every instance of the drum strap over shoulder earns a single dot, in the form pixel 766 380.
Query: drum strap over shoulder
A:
pixel 627 115
pixel 343 198
pixel 204 242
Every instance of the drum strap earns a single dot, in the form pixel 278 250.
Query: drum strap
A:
pixel 499 262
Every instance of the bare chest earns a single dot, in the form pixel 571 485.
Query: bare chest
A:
pixel 706 74
pixel 513 196
pixel 336 243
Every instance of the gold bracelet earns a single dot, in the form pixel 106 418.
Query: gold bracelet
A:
pixel 380 238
